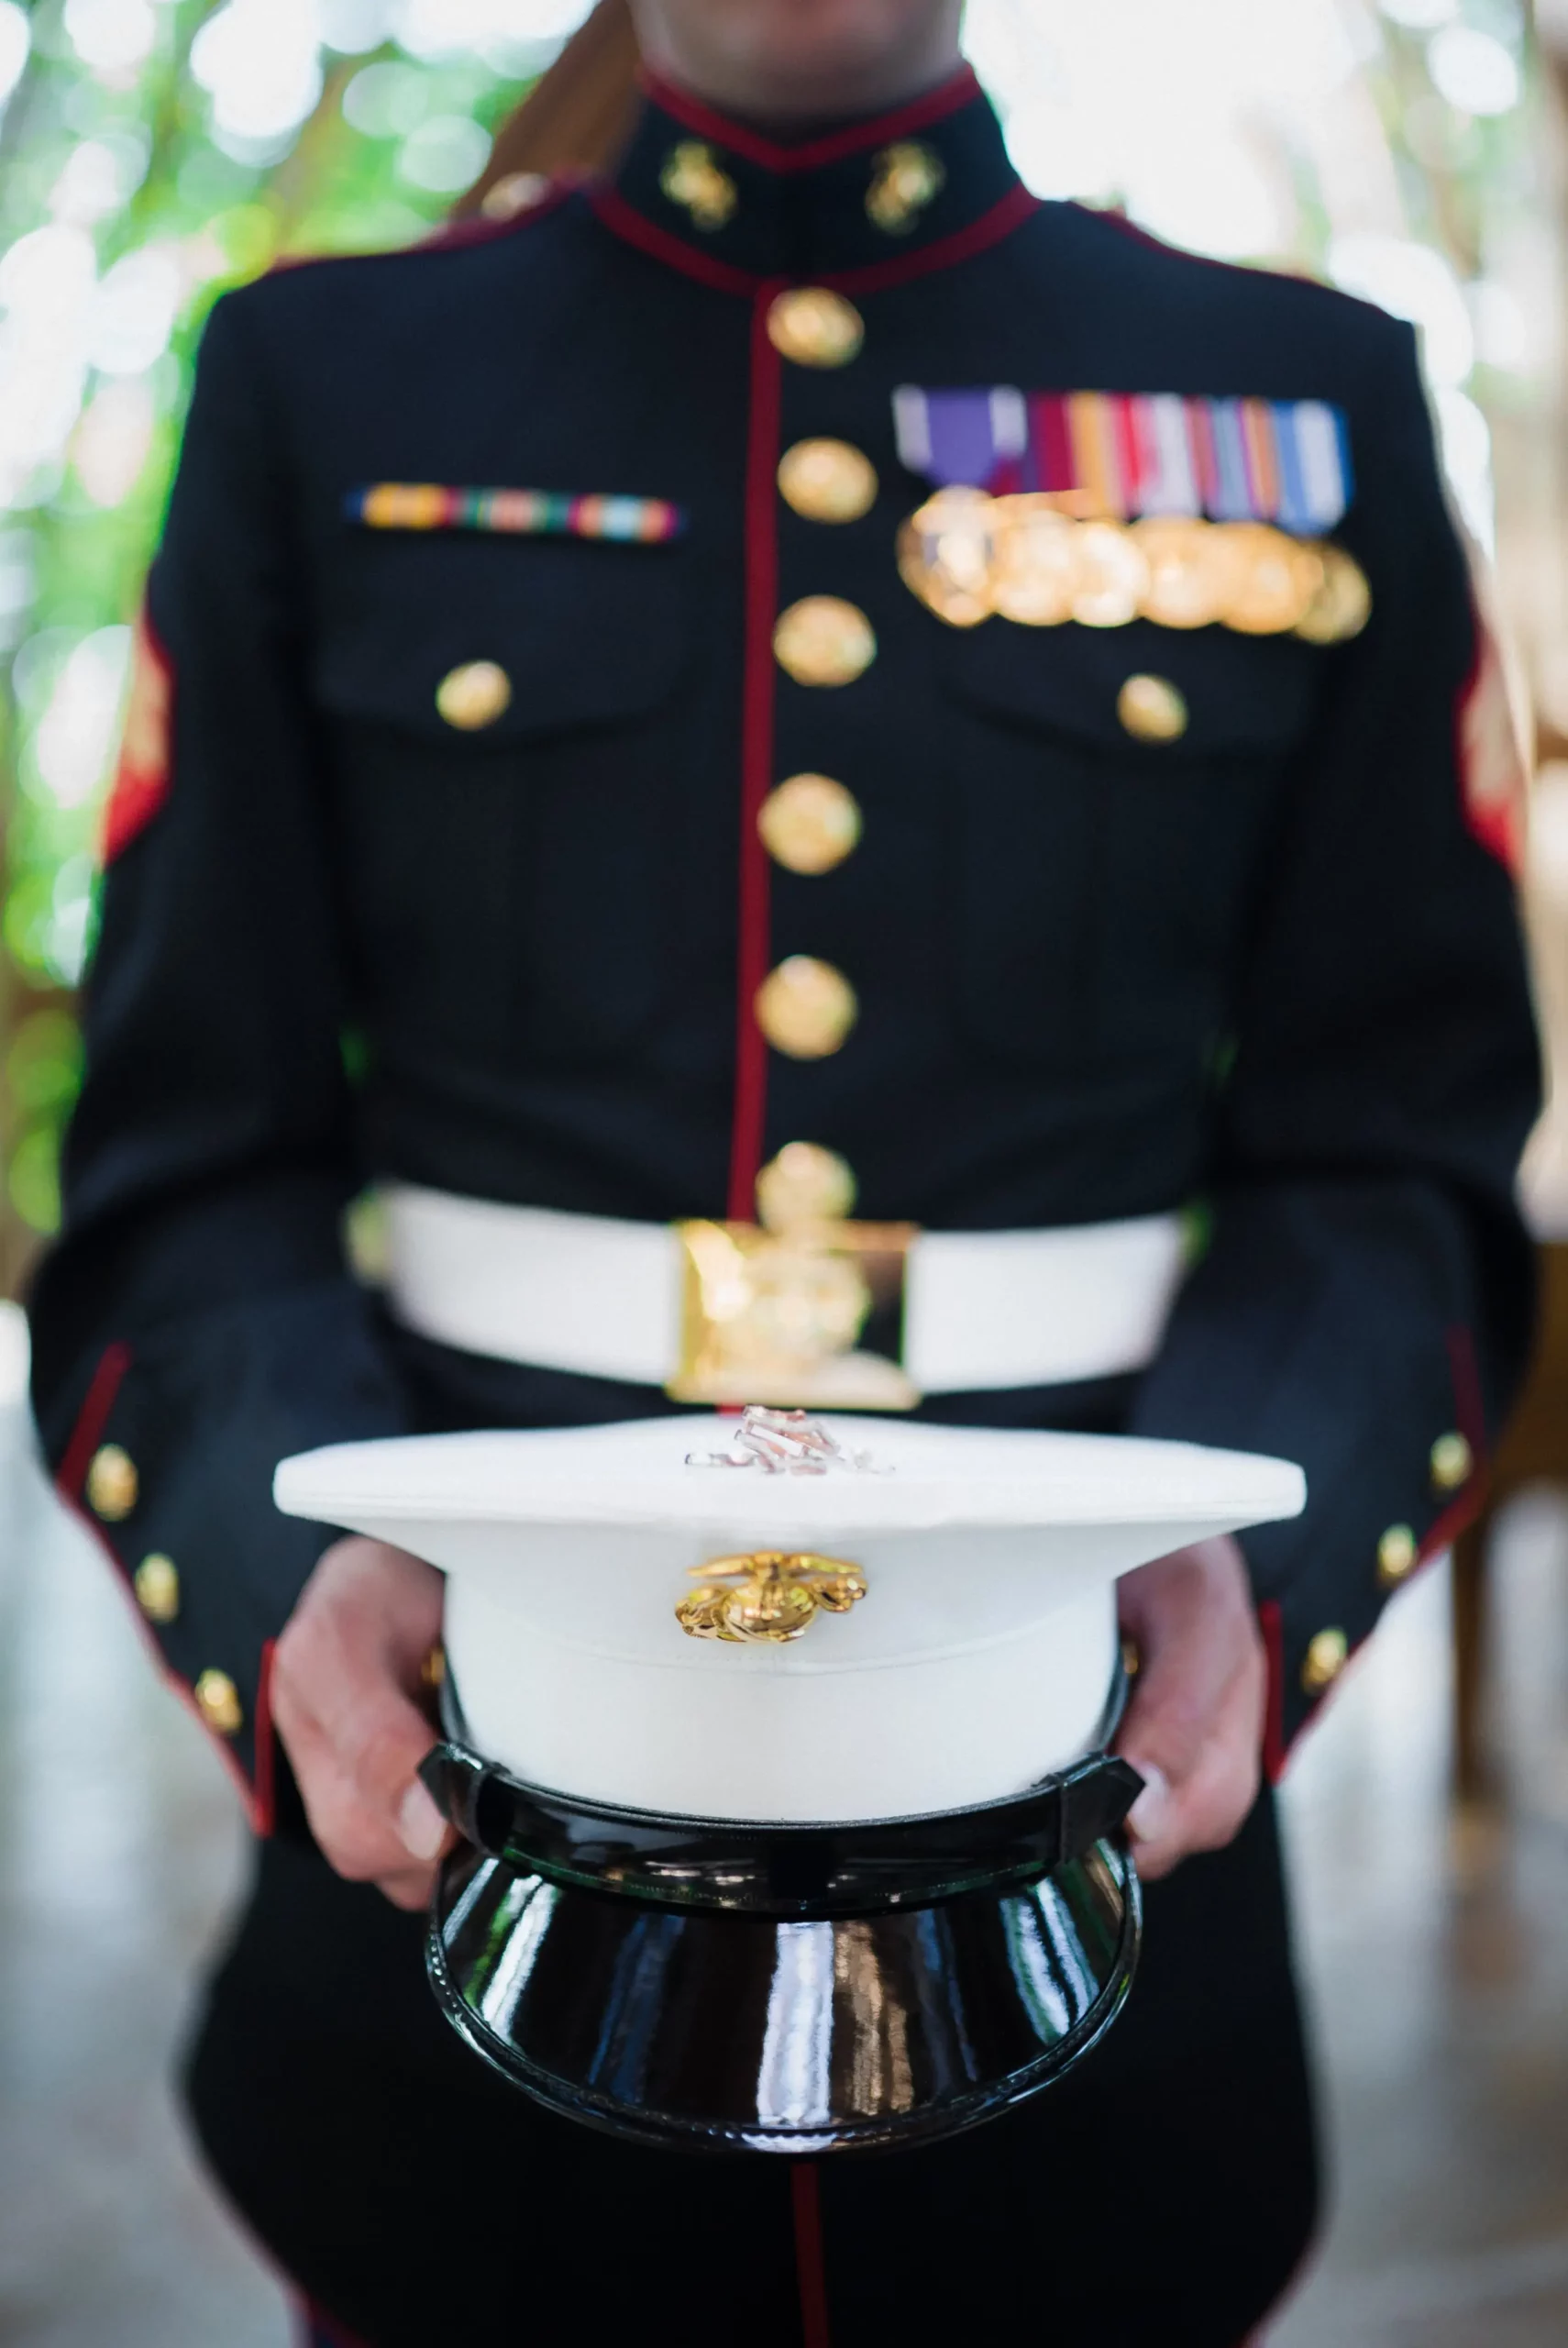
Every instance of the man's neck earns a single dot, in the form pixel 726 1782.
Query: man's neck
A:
pixel 796 108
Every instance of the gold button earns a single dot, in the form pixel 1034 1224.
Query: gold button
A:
pixel 904 179
pixel 474 695
pixel 217 1701
pixel 157 1585
pixel 1453 1463
pixel 1325 1661
pixel 827 481
pixel 809 823
pixel 806 1008
pixel 1152 709
pixel 112 1483
pixel 1396 1552
pixel 822 640
pixel 805 1183
pixel 516 193
pixel 694 178
pixel 814 327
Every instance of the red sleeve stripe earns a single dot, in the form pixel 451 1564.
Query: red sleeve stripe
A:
pixel 90 1421
pixel 141 780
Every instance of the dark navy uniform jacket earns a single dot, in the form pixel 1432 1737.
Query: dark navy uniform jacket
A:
pixel 1271 966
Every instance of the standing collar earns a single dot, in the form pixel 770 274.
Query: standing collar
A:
pixel 888 194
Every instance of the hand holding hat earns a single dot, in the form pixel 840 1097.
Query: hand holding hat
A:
pixel 1194 1726
pixel 349 1699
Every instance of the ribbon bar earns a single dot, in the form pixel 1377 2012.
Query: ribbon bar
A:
pixel 1122 456
pixel 516 513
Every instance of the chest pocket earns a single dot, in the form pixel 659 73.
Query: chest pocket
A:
pixel 506 717
pixel 1103 877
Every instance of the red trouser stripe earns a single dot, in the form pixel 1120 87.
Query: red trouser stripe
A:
pixel 810 2271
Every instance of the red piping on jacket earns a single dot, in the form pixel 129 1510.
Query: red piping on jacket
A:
pixel 1469 1412
pixel 1442 1533
pixel 757 698
pixel 959 89
pixel 1496 820
pixel 140 790
pixel 805 2194
pixel 874 277
pixel 171 1677
pixel 90 1421
pixel 622 221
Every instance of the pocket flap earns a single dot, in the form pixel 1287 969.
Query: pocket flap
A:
pixel 585 632
pixel 1241 693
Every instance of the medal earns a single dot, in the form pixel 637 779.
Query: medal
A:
pixel 1182 591
pixel 1034 564
pixel 944 556
pixel 1274 579
pixel 1113 576
pixel 1341 605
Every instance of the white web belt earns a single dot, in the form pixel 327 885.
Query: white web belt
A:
pixel 724 1313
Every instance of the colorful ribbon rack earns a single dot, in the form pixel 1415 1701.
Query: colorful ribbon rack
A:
pixel 517 512
pixel 1119 455
pixel 968 555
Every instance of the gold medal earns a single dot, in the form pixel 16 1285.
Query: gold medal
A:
pixel 1034 566
pixel 1342 603
pixel 945 555
pixel 1113 576
pixel 1182 577
pixel 1276 580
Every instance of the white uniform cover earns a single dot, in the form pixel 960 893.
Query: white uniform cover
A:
pixel 980 1659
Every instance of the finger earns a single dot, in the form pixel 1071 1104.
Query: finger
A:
pixel 1170 1821
pixel 347 1703
pixel 364 1836
pixel 1199 1655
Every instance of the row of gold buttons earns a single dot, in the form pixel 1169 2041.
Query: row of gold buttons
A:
pixel 1452 1465
pixel 810 822
pixel 114 1487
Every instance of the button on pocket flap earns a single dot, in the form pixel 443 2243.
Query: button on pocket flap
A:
pixel 1159 690
pixel 448 635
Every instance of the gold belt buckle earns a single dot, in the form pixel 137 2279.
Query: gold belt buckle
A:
pixel 807 1318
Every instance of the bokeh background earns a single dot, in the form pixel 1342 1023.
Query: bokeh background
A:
pixel 153 152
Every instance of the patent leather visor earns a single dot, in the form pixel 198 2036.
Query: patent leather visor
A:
pixel 696 1984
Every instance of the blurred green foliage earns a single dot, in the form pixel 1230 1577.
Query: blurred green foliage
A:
pixel 128 203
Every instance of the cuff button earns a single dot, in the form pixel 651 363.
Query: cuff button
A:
pixel 1453 1462
pixel 113 1484
pixel 1397 1554
pixel 157 1585
pixel 1325 1661
pixel 217 1701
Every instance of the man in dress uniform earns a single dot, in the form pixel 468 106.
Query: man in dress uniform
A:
pixel 794 687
